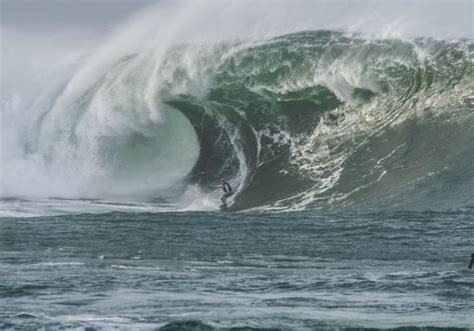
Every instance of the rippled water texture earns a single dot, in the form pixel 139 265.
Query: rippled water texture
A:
pixel 204 271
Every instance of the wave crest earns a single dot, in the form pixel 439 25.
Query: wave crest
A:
pixel 316 119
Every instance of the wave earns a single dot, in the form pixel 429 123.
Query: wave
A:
pixel 309 120
pixel 198 325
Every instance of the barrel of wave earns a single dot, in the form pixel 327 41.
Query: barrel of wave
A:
pixel 119 156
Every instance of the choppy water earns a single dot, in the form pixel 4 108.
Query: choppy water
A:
pixel 353 136
pixel 200 271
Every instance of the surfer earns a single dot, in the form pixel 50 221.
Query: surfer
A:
pixel 472 261
pixel 227 191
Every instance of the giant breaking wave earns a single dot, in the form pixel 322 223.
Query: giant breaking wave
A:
pixel 309 120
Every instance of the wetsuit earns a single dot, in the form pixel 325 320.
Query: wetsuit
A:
pixel 227 192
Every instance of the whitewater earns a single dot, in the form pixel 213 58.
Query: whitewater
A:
pixel 327 119
pixel 348 142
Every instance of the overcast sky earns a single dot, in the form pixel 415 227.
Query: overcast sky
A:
pixel 453 17
pixel 37 35
pixel 45 14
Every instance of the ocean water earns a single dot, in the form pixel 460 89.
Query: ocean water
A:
pixel 314 120
pixel 349 147
pixel 238 271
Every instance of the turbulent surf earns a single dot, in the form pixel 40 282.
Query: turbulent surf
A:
pixel 310 120
pixel 345 129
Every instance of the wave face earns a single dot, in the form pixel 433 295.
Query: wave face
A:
pixel 310 120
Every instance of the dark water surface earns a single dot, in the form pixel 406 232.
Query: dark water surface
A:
pixel 229 270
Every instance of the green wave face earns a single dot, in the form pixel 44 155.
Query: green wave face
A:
pixel 311 120
pixel 321 119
